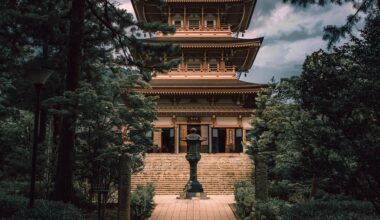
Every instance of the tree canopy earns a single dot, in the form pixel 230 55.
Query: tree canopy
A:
pixel 322 129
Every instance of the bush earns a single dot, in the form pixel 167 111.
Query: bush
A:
pixel 272 209
pixel 142 202
pixel 15 208
pixel 9 205
pixel 332 210
pixel 245 199
pixel 50 210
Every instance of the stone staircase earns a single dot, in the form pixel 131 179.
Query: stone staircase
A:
pixel 216 172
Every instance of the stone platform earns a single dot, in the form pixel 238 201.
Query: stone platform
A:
pixel 216 172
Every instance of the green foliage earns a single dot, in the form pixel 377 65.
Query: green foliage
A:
pixel 332 209
pixel 15 138
pixel 112 63
pixel 50 210
pixel 272 209
pixel 10 204
pixel 320 132
pixel 15 208
pixel 248 208
pixel 244 193
pixel 341 89
pixel 142 202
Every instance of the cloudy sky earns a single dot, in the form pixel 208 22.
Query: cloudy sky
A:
pixel 290 33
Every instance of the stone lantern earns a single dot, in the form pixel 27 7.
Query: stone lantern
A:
pixel 193 188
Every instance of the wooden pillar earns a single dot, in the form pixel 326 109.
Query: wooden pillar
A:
pixel 210 139
pixel 240 121
pixel 203 18
pixel 169 16
pixel 176 139
pixel 184 18
pixel 218 19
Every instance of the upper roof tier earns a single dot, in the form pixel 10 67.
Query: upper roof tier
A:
pixel 188 86
pixel 236 14
pixel 237 52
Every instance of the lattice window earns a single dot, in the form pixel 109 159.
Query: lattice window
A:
pixel 193 23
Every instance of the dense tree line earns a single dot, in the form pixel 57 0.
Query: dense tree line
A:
pixel 320 132
pixel 90 110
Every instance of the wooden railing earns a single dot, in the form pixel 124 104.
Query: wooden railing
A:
pixel 200 28
pixel 201 69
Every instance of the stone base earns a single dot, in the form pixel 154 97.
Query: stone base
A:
pixel 193 195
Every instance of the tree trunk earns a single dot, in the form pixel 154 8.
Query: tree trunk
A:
pixel 313 190
pixel 43 125
pixel 63 187
pixel 124 194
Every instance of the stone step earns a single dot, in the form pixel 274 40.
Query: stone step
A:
pixel 217 172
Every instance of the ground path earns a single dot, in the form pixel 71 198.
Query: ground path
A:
pixel 215 208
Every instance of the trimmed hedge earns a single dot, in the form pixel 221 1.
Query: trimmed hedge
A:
pixel 15 208
pixel 142 202
pixel 332 210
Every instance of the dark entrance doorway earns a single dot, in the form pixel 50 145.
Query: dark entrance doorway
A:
pixel 238 140
pixel 202 130
pixel 168 140
pixel 198 127
pixel 218 140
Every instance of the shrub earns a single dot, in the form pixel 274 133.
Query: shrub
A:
pixel 245 199
pixel 50 210
pixel 142 202
pixel 9 205
pixel 332 209
pixel 20 188
pixel 272 209
pixel 15 208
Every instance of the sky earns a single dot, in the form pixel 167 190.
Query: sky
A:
pixel 290 34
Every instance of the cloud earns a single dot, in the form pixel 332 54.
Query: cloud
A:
pixel 282 59
pixel 290 34
pixel 286 19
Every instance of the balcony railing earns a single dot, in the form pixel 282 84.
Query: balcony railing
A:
pixel 226 69
pixel 199 28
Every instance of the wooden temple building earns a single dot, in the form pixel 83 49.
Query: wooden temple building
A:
pixel 204 91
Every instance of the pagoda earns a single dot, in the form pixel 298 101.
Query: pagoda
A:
pixel 204 91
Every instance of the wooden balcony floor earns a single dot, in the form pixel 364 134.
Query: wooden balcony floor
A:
pixel 215 208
